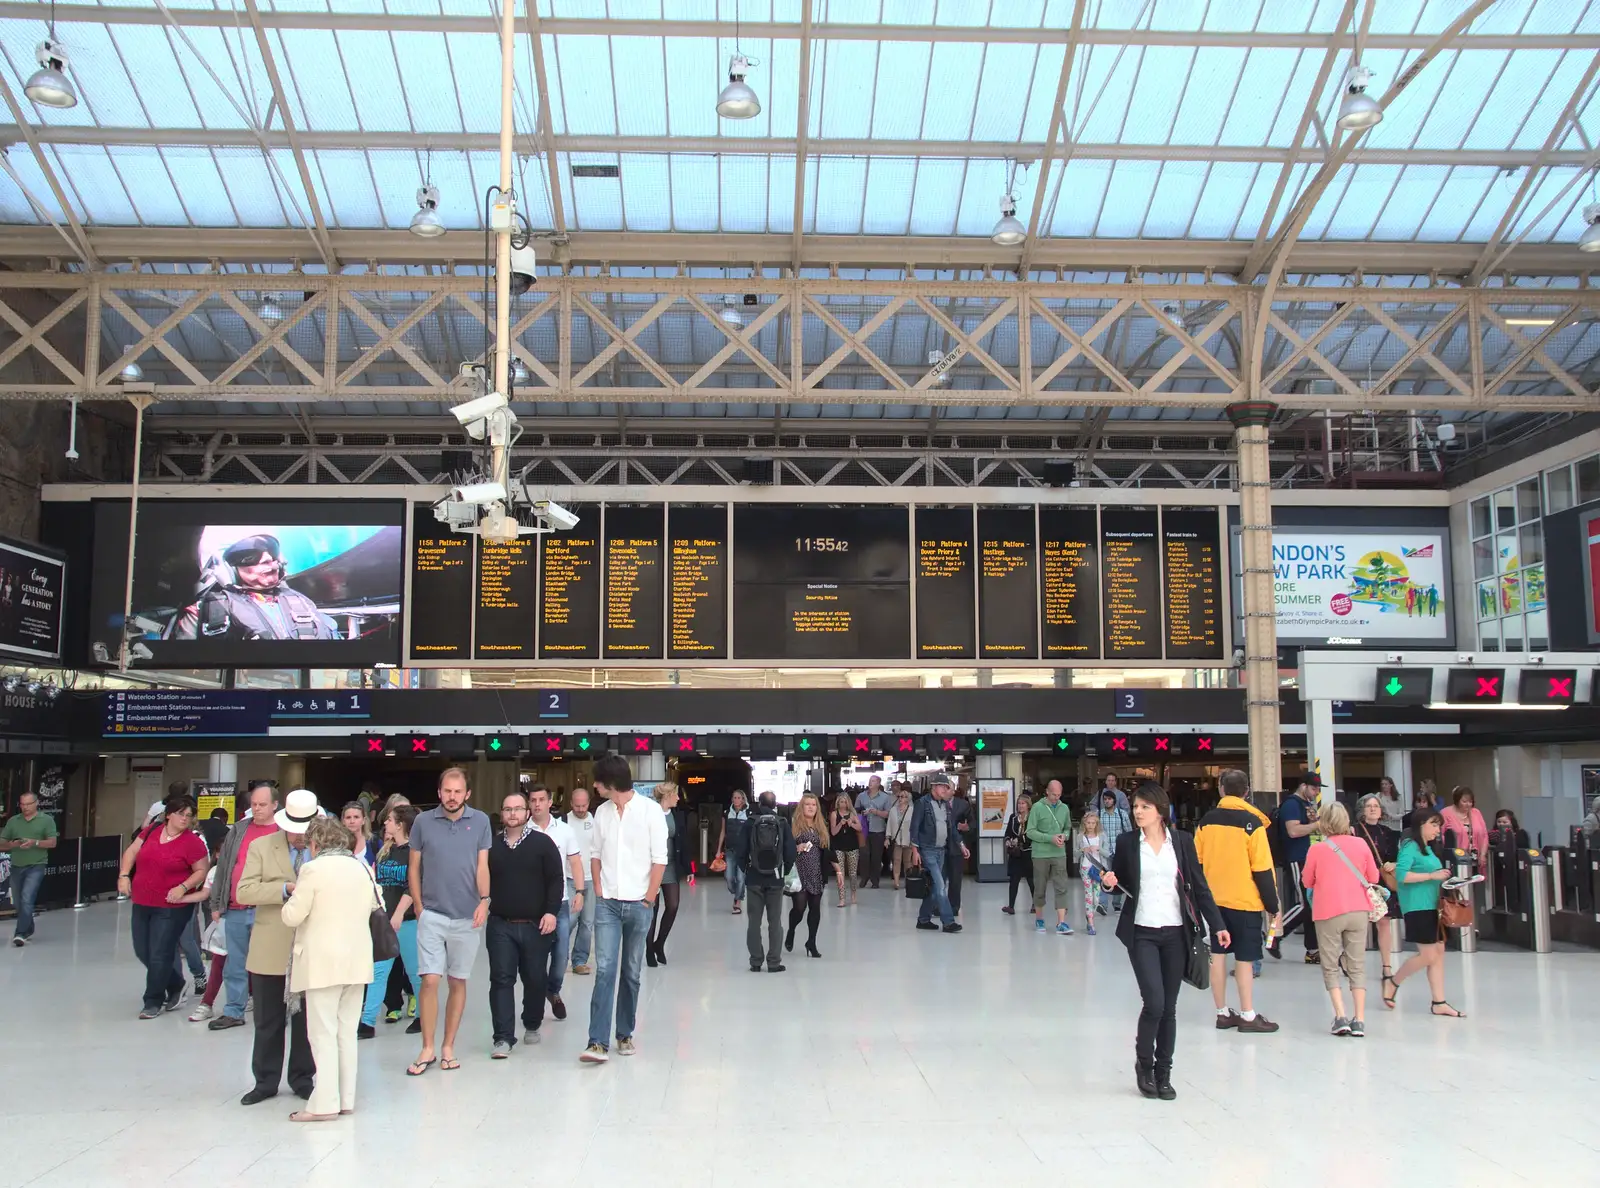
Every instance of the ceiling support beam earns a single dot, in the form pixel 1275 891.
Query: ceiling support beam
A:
pixel 547 136
pixel 1060 127
pixel 801 133
pixel 80 241
pixel 319 228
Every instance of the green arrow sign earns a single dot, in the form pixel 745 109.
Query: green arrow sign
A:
pixel 805 744
pixel 583 744
pixel 494 744
pixel 978 744
pixel 1062 744
pixel 1393 687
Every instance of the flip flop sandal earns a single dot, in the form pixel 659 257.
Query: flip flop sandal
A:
pixel 1388 999
pixel 449 1064
pixel 417 1067
pixel 1441 1014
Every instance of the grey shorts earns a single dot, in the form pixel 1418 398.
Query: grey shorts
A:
pixel 446 947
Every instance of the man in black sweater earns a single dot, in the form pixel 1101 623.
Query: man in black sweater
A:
pixel 769 856
pixel 525 885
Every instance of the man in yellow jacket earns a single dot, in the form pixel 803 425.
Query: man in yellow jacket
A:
pixel 1236 855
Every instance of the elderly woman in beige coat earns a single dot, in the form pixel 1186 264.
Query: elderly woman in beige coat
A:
pixel 331 962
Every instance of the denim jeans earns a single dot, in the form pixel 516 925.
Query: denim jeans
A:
pixel 938 889
pixel 516 949
pixel 407 934
pixel 583 929
pixel 620 926
pixel 155 944
pixel 558 955
pixel 236 926
pixel 25 882
pixel 735 875
pixel 189 946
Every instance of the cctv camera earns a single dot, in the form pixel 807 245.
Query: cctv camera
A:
pixel 555 515
pixel 523 263
pixel 478 494
pixel 477 410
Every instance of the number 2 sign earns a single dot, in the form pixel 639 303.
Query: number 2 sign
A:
pixel 553 703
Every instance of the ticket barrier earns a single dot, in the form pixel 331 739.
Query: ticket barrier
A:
pixel 1575 891
pixel 1521 912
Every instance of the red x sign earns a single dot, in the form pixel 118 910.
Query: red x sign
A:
pixel 1163 744
pixel 686 744
pixel 641 744
pixel 552 746
pixel 419 746
pixel 1488 686
pixel 948 745
pixel 375 746
pixel 863 746
pixel 1560 687
pixel 1202 744
pixel 1119 744
pixel 903 745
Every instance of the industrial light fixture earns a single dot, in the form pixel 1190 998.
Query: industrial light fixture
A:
pixel 49 86
pixel 737 100
pixel 1589 241
pixel 1358 110
pixel 270 311
pixel 132 373
pixel 519 371
pixel 730 313
pixel 1530 321
pixel 1009 231
pixel 426 222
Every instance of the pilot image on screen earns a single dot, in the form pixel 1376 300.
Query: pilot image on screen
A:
pixel 243 596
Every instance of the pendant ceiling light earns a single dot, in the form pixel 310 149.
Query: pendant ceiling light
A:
pixel 49 85
pixel 1009 231
pixel 738 100
pixel 270 312
pixel 730 313
pixel 131 373
pixel 426 222
pixel 1358 109
pixel 1589 241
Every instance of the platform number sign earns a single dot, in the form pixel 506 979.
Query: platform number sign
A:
pixel 1548 686
pixel 554 703
pixel 1129 703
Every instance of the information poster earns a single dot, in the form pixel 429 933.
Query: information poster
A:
pixel 1130 557
pixel 945 589
pixel 569 590
pixel 1008 627
pixel 994 807
pixel 507 596
pixel 211 795
pixel 31 589
pixel 1069 584
pixel 635 584
pixel 1191 544
pixel 697 583
pixel 441 588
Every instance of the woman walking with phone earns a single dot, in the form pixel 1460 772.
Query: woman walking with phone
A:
pixel 1169 904
pixel 813 867
pixel 1420 872
pixel 1019 852
pixel 846 846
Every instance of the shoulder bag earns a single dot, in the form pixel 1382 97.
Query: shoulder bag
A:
pixel 1197 961
pixel 1385 869
pixel 1377 898
pixel 385 944
pixel 1454 911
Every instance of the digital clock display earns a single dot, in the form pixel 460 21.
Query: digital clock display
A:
pixel 821 544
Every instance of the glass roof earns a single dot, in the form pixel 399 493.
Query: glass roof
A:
pixel 1182 114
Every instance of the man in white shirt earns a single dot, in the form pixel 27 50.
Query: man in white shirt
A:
pixel 630 856
pixel 572 892
pixel 581 821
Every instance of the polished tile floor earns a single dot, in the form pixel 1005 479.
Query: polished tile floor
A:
pixel 996 1057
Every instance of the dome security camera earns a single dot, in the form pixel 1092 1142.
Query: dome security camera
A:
pixel 523 265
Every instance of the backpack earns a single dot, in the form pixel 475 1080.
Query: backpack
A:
pixel 766 850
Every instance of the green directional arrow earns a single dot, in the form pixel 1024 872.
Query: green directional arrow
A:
pixel 583 744
pixel 1393 687
pixel 805 744
pixel 978 744
pixel 494 744
pixel 1062 744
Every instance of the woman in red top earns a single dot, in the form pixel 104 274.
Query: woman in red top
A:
pixel 172 863
pixel 1338 873
pixel 1465 820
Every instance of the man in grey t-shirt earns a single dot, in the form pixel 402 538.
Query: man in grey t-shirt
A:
pixel 874 804
pixel 449 884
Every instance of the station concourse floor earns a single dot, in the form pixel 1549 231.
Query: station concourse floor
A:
pixel 996 1057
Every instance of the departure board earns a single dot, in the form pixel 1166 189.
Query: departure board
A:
pixel 1008 627
pixel 1191 545
pixel 1069 582
pixel 697 583
pixel 569 589
pixel 814 582
pixel 441 589
pixel 635 583
pixel 946 623
pixel 1130 561
pixel 507 600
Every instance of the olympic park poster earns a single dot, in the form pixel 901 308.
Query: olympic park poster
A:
pixel 1391 586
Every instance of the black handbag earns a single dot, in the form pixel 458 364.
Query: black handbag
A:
pixel 1197 963
pixel 385 944
pixel 918 885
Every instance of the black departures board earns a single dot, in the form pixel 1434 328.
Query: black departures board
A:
pixel 946 590
pixel 1130 559
pixel 507 600
pixel 818 583
pixel 1069 582
pixel 635 583
pixel 697 583
pixel 441 589
pixel 569 589
pixel 1008 609
pixel 814 582
pixel 1191 547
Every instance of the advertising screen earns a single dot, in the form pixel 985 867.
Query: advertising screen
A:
pixel 256 583
pixel 1392 585
pixel 31 587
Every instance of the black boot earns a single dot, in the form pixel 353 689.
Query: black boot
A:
pixel 1164 1089
pixel 650 955
pixel 811 949
pixel 1144 1077
pixel 788 940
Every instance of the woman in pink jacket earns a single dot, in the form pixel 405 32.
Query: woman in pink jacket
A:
pixel 1337 873
pixel 1464 820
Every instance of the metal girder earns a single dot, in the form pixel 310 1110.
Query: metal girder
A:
pixel 547 136
pixel 802 146
pixel 810 341
pixel 22 10
pixel 801 133
pixel 80 240
pixel 1059 126
pixel 738 250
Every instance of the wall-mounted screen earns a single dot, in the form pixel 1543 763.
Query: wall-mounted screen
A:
pixel 945 586
pixel 254 583
pixel 32 585
pixel 1371 587
pixel 569 589
pixel 1008 608
pixel 697 583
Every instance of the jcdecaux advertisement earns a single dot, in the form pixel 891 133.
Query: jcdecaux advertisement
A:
pixel 1336 587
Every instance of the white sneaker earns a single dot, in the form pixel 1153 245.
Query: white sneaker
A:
pixel 531 1036
pixel 200 1014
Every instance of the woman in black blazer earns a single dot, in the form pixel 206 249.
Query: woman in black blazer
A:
pixel 1159 927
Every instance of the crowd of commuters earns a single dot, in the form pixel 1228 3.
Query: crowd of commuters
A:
pixel 296 900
